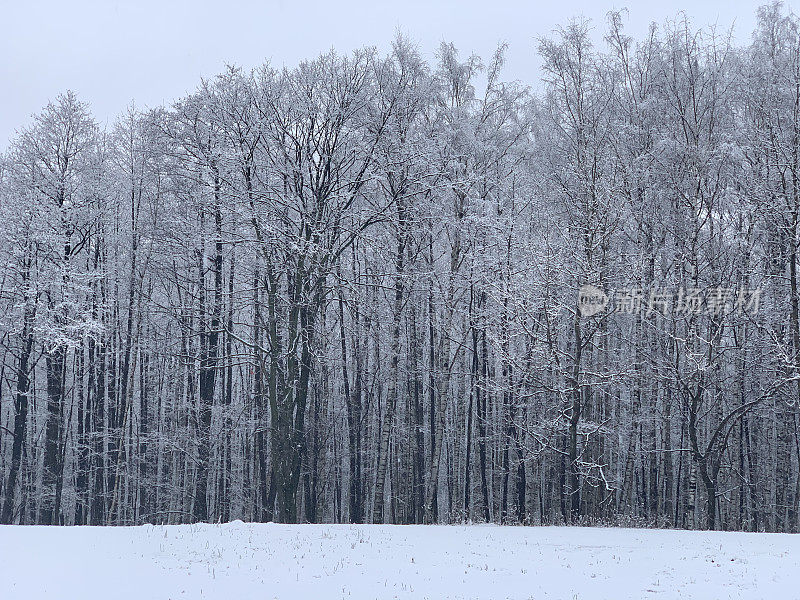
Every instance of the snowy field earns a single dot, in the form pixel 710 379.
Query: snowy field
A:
pixel 241 561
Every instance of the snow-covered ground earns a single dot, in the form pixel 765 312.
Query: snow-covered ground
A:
pixel 240 561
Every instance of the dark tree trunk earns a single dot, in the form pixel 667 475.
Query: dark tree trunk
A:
pixel 55 363
pixel 20 412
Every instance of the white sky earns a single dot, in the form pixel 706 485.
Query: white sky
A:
pixel 154 51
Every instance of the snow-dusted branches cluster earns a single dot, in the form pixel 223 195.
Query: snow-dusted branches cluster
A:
pixel 349 292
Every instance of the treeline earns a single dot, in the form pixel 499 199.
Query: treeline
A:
pixel 348 292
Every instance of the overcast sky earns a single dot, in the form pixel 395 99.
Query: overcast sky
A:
pixel 154 51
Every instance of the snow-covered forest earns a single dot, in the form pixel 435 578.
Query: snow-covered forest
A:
pixel 348 291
